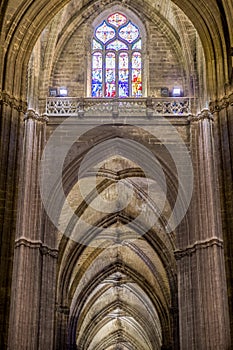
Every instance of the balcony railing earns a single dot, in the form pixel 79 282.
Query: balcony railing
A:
pixel 82 107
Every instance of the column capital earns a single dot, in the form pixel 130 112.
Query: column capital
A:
pixel 204 114
pixel 36 244
pixel 32 114
pixel 224 102
pixel 12 101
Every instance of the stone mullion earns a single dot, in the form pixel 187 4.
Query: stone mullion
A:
pixel 203 301
pixel 25 305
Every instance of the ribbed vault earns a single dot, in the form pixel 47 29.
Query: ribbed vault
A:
pixel 119 284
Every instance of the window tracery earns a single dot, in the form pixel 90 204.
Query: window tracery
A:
pixel 117 58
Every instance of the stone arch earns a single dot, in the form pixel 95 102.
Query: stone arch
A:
pixel 41 14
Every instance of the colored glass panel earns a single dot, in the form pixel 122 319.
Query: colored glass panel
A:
pixel 129 32
pixel 137 45
pixel 119 70
pixel 117 45
pixel 136 74
pixel 136 60
pixel 97 75
pixel 105 33
pixel 110 75
pixel 117 19
pixel 96 45
pixel 123 75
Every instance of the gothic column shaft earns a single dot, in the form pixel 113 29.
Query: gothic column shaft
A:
pixel 48 289
pixel 223 117
pixel 26 285
pixel 204 319
pixel 11 115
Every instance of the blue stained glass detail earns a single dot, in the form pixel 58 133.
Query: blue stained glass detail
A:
pixel 129 32
pixel 110 75
pixel 105 33
pixel 97 90
pixel 97 75
pixel 117 45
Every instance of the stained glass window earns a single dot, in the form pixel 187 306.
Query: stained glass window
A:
pixel 110 75
pixel 105 32
pixel 129 32
pixel 97 75
pixel 117 45
pixel 137 45
pixel 136 74
pixel 117 58
pixel 123 75
pixel 117 19
pixel 96 45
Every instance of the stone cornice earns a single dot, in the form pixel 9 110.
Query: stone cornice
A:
pixel 13 102
pixel 204 114
pixel 31 114
pixel 224 102
pixel 188 251
pixel 43 248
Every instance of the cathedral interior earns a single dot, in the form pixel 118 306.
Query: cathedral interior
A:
pixel 116 159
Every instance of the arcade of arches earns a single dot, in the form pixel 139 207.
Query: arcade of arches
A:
pixel 116 195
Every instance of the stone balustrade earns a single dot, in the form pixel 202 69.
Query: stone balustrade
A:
pixel 80 107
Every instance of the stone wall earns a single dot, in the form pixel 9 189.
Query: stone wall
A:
pixel 161 61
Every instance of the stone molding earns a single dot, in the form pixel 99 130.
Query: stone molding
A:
pixel 13 102
pixel 198 245
pixel 218 105
pixel 62 309
pixel 31 114
pixel 44 249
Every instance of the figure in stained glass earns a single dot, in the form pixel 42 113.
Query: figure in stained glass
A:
pixel 97 76
pixel 123 75
pixel 136 74
pixel 110 75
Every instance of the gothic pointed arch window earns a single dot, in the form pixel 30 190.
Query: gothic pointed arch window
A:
pixel 117 58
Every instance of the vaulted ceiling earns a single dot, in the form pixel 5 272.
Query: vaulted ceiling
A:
pixel 116 275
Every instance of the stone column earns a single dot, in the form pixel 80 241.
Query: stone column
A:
pixel 11 125
pixel 28 255
pixel 203 306
pixel 48 286
pixel 223 118
pixel 62 319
